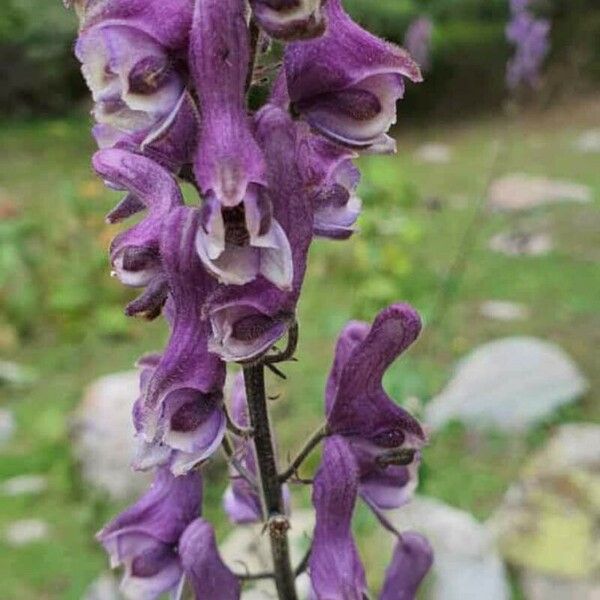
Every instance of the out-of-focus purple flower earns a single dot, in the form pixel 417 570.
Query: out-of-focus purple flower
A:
pixel 289 19
pixel 530 36
pixel 204 568
pixel 412 559
pixel 384 438
pixel 131 53
pixel 182 403
pixel 248 320
pixel 238 239
pixel 241 500
pixel 346 83
pixel 335 567
pixel 135 253
pixel 331 180
pixel 144 538
pixel 418 41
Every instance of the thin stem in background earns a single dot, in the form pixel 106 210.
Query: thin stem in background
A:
pixel 272 497
pixel 313 441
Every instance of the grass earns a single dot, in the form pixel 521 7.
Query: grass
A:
pixel 60 313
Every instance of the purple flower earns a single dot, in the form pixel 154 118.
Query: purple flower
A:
pixel 182 403
pixel 238 239
pixel 241 500
pixel 530 36
pixel 204 568
pixel 346 83
pixel 331 180
pixel 335 568
pixel 289 19
pixel 418 41
pixel 248 320
pixel 131 53
pixel 384 438
pixel 135 253
pixel 412 559
pixel 144 538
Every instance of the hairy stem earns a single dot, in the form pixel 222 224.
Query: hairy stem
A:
pixel 277 523
pixel 313 441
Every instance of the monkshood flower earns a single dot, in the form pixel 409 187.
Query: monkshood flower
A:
pixel 385 440
pixel 145 537
pixel 530 36
pixel 204 568
pixel 418 41
pixel 412 559
pixel 131 53
pixel 289 19
pixel 241 500
pixel 336 571
pixel 345 84
pixel 331 180
pixel 135 253
pixel 246 321
pixel 182 403
pixel 238 239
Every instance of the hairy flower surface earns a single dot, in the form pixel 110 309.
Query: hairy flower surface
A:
pixel 144 538
pixel 204 568
pixel 289 19
pixel 418 41
pixel 239 239
pixel 346 83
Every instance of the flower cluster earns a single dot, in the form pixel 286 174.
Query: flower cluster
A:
pixel 530 36
pixel 169 80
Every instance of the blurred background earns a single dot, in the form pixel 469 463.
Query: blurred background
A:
pixel 486 221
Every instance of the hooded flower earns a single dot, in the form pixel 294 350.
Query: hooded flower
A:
pixel 412 559
pixel 418 41
pixel 131 53
pixel 247 321
pixel 331 180
pixel 384 438
pixel 182 402
pixel 144 538
pixel 345 84
pixel 335 568
pixel 290 19
pixel 204 568
pixel 241 500
pixel 135 253
pixel 238 239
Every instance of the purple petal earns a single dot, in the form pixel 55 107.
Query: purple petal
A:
pixel 412 559
pixel 346 83
pixel 204 568
pixel 335 568
pixel 290 19
pixel 418 41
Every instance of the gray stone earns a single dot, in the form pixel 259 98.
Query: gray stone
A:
pixel 467 565
pixel 7 426
pixel 434 153
pixel 510 383
pixel 103 436
pixel 501 310
pixel 23 485
pixel 25 532
pixel 522 243
pixel 588 142
pixel 524 192
pixel 105 587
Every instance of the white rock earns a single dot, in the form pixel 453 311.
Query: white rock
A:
pixel 103 588
pixel 523 192
pixel 434 153
pixel 23 485
pixel 510 383
pixel 501 310
pixel 588 142
pixel 27 531
pixel 520 243
pixel 466 564
pixel 103 435
pixel 7 426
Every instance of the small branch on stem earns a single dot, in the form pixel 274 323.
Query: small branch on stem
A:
pixel 288 353
pixel 243 432
pixel 237 465
pixel 313 441
pixel 303 565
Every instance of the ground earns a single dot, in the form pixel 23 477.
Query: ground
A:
pixel 423 240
